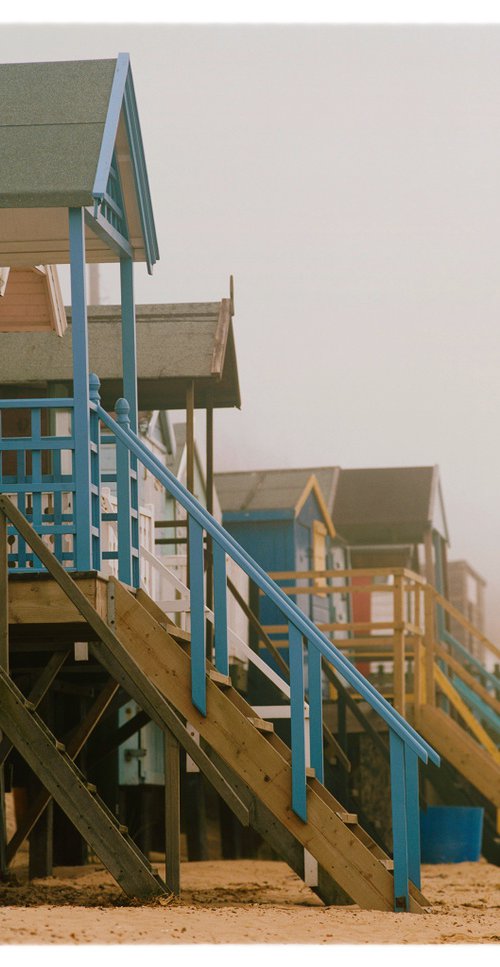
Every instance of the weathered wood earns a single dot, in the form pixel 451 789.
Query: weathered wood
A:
pixel 38 692
pixel 41 845
pixel 172 813
pixel 40 601
pixel 463 710
pixel 462 751
pixel 468 678
pixel 399 647
pixel 261 767
pixel 111 655
pixel 279 838
pixel 429 643
pixel 72 746
pixel 4 595
pixel 68 787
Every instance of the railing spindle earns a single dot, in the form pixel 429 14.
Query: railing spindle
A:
pixel 299 781
pixel 315 695
pixel 220 609
pixel 399 822
pixel 196 585
pixel 124 497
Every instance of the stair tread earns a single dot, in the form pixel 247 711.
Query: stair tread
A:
pixel 260 724
pixel 219 678
pixel 350 819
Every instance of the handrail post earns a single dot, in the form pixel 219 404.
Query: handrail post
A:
pixel 124 497
pixel 399 822
pixel 399 646
pixel 429 640
pixel 95 472
pixel 196 586
pixel 81 416
pixel 418 682
pixel 299 779
pixel 413 815
pixel 220 608
pixel 315 696
pixel 4 664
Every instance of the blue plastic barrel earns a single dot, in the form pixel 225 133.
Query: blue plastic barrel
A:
pixel 451 834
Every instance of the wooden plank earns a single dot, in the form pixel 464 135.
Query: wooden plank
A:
pixel 111 656
pixel 73 745
pixel 468 678
pixel 455 613
pixel 4 596
pixel 463 710
pixel 261 767
pixel 429 643
pixel 65 782
pixel 399 648
pixel 41 601
pixel 172 813
pixel 462 751
pixel 37 693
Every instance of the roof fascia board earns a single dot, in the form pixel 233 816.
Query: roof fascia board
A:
pixel 443 512
pixel 105 231
pixel 312 486
pixel 111 126
pixel 241 516
pixel 140 172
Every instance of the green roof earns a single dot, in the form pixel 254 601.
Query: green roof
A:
pixel 52 123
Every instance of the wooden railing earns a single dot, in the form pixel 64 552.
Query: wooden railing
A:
pixel 423 662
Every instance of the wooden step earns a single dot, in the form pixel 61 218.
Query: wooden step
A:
pixel 59 746
pixel 350 819
pixel 91 788
pixel 224 681
pixel 260 724
pixel 389 864
pixel 310 772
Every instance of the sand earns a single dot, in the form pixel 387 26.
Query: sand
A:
pixel 239 902
pixel 243 902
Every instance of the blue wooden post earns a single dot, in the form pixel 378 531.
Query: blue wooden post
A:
pixel 95 470
pixel 198 658
pixel 129 364
pixel 129 350
pixel 315 695
pixel 413 813
pixel 123 494
pixel 399 822
pixel 299 781
pixel 82 512
pixel 220 609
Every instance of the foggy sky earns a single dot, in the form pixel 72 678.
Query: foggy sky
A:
pixel 349 178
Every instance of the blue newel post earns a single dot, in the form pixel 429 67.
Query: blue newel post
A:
pixel 95 472
pixel 81 412
pixel 128 504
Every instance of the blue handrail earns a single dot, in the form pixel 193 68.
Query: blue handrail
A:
pixel 406 745
pixel 288 607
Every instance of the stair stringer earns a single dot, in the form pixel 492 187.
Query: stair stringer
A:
pixel 462 751
pixel 260 766
pixel 66 784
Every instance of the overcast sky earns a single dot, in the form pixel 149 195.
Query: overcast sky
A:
pixel 349 178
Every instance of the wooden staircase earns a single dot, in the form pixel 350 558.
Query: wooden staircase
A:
pixel 145 654
pixel 471 760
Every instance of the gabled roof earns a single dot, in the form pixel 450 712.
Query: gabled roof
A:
pixel 65 127
pixel 175 344
pixel 388 504
pixel 246 494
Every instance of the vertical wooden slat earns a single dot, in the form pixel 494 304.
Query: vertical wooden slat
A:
pixel 172 813
pixel 198 658
pixel 4 663
pixel 220 610
pixel 399 822
pixel 399 646
pixel 429 640
pixel 418 681
pixel 299 782
pixel 315 695
pixel 124 497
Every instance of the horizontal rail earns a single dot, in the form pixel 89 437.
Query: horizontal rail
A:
pixel 351 572
pixel 293 613
pixel 46 403
pixel 458 616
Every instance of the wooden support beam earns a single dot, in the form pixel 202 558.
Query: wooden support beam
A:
pixel 209 631
pixel 74 743
pixel 399 647
pixel 172 813
pixel 38 692
pixel 4 663
pixel 429 642
pixel 190 437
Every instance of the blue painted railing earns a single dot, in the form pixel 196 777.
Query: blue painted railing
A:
pixel 406 745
